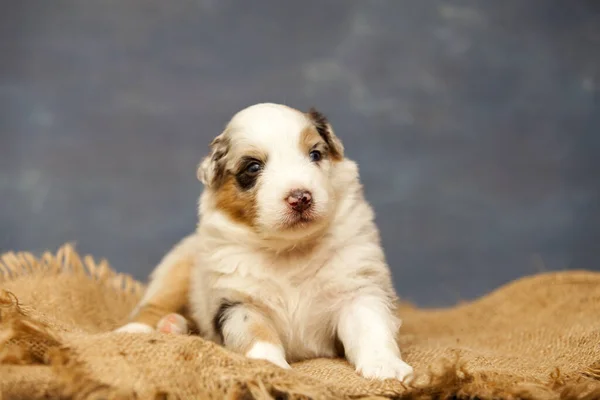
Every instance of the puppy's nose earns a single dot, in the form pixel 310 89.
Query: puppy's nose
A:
pixel 300 200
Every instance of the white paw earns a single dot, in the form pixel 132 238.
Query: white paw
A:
pixel 385 367
pixel 135 327
pixel 173 323
pixel 269 352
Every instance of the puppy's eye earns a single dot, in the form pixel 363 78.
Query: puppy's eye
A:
pixel 315 155
pixel 253 168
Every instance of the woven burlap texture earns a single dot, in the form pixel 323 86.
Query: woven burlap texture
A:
pixel 536 338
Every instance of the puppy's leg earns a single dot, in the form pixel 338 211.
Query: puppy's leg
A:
pixel 246 330
pixel 168 289
pixel 367 328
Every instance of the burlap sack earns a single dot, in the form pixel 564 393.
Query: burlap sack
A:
pixel 535 338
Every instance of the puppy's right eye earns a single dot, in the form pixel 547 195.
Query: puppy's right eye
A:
pixel 253 168
pixel 315 156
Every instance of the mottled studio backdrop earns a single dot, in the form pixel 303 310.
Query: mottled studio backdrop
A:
pixel 476 124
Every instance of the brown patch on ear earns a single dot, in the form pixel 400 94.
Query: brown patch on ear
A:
pixel 237 204
pixel 212 170
pixel 221 148
pixel 324 129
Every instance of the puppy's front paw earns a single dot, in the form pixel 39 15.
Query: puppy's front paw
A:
pixel 135 327
pixel 268 352
pixel 173 323
pixel 385 367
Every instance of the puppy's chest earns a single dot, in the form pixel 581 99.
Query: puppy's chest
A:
pixel 304 318
pixel 295 290
pixel 284 291
pixel 302 296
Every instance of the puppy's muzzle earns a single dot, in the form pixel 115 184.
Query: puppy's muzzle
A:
pixel 299 200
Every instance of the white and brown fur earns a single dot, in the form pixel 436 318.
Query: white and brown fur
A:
pixel 271 282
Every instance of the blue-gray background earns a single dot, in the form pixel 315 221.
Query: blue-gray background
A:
pixel 475 124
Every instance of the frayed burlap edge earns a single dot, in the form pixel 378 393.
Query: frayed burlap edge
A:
pixel 66 260
pixel 27 342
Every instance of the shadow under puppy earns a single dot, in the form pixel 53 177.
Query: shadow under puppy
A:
pixel 286 262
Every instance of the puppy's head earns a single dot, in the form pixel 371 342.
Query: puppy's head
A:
pixel 273 170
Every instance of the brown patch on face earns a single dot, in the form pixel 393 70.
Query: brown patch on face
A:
pixel 323 128
pixel 311 140
pixel 238 204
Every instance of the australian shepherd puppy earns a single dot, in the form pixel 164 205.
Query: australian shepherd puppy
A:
pixel 286 262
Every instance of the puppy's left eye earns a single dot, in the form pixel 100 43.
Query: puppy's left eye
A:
pixel 253 168
pixel 315 155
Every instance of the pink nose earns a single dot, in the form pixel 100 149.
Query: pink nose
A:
pixel 300 200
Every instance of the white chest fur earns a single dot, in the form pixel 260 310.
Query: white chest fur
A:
pixel 300 292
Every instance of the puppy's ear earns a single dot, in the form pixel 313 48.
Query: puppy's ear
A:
pixel 212 169
pixel 326 131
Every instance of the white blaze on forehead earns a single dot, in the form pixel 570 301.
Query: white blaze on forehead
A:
pixel 269 126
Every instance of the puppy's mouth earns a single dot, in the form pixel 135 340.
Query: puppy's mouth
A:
pixel 299 220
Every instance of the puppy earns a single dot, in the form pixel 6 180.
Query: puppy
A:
pixel 286 262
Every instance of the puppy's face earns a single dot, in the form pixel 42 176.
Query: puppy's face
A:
pixel 273 170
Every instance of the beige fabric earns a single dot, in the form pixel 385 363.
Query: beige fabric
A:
pixel 537 338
